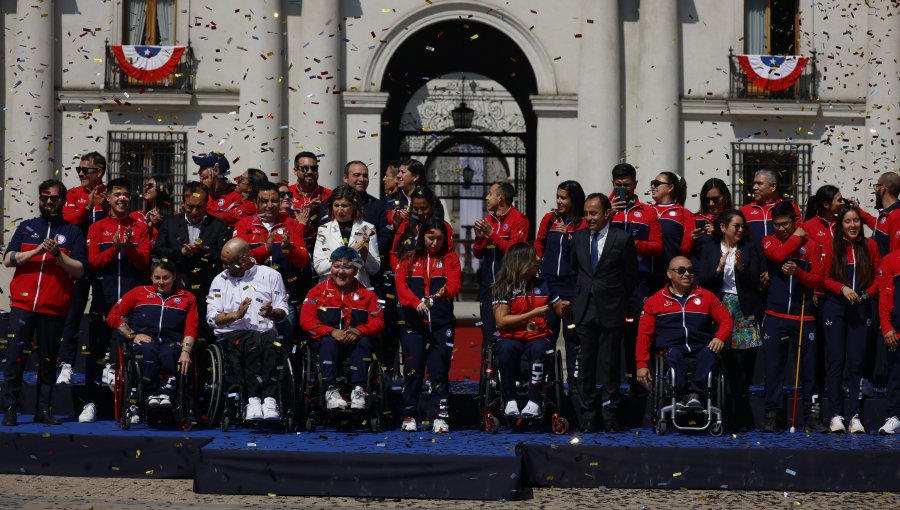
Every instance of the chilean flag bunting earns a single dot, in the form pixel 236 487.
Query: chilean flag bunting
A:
pixel 772 73
pixel 148 63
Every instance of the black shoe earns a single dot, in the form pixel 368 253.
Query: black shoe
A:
pixel 11 419
pixel 611 423
pixel 46 418
pixel 771 422
pixel 693 401
pixel 814 424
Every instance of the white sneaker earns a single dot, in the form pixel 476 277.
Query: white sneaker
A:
pixel 153 401
pixel 358 398
pixel 164 400
pixel 109 375
pixel 532 410
pixel 856 426
pixel 837 424
pixel 65 374
pixel 409 425
pixel 440 426
pixel 512 409
pixel 270 409
pixel 88 414
pixel 891 426
pixel 253 410
pixel 135 415
pixel 334 400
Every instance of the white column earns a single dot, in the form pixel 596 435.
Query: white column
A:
pixel 557 120
pixel 315 111
pixel 362 117
pixel 883 97
pixel 659 90
pixel 599 96
pixel 261 91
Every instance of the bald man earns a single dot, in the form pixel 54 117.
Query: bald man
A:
pixel 679 319
pixel 243 305
pixel 886 232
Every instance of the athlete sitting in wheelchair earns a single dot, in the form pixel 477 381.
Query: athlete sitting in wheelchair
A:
pixel 679 321
pixel 161 321
pixel 343 318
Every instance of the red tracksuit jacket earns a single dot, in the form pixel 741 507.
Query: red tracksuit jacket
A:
pixel 118 271
pixel 166 319
pixel 424 276
pixel 326 309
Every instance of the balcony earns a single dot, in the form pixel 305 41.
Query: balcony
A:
pixel 182 79
pixel 740 87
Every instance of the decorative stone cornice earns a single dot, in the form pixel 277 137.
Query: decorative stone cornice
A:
pixel 364 102
pixel 160 99
pixel 747 109
pixel 555 106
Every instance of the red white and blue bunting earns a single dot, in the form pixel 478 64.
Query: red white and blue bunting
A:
pixel 148 63
pixel 772 73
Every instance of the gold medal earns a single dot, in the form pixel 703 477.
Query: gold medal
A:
pixel 532 326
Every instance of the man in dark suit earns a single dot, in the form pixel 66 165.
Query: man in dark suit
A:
pixel 605 263
pixel 193 242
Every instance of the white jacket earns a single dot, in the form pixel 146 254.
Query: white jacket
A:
pixel 329 238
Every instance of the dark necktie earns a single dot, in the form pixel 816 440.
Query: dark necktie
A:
pixel 595 253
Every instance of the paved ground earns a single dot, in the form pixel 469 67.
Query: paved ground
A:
pixel 48 492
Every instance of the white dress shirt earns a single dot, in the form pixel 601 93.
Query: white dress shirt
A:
pixel 729 285
pixel 226 293
pixel 329 239
pixel 600 240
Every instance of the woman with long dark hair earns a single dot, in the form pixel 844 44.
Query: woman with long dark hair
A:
pixel 669 192
pixel 428 279
pixel 522 302
pixel 821 213
pixel 851 261
pixel 552 245
pixel 730 268
pixel 423 207
pixel 714 198
pixel 157 204
pixel 346 228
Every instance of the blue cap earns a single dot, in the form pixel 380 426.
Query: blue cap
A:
pixel 211 159
pixel 345 252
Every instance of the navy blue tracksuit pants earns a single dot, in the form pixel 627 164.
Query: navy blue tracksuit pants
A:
pixel 509 355
pixel 677 356
pixel 778 334
pixel 893 383
pixel 847 329
pixel 159 364
pixel 331 359
pixel 426 349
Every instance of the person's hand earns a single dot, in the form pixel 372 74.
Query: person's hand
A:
pixel 800 233
pixel 697 233
pixel 616 203
pixel 849 294
pixel 890 339
pixel 441 292
pixel 127 235
pixel 242 310
pixel 722 260
pixel 153 217
pixel 141 338
pixel 738 260
pixel 710 228
pixel 270 240
pixel 265 311
pixel 789 268
pixel 352 335
pixel 184 363
pixel 541 310
pixel 187 250
pixel 285 240
pixel 401 215
pixel 716 345
pixel 815 300
pixel 764 278
pixel 117 240
pixel 560 226
pixel 50 246
pixel 422 308
pixel 338 335
pixel 482 228
pixel 95 198
pixel 302 215
pixel 644 377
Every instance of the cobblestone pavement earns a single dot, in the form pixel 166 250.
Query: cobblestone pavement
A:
pixel 49 492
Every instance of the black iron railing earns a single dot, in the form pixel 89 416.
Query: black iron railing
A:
pixel 181 79
pixel 806 88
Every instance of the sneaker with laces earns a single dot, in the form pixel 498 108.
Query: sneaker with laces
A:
pixel 270 409
pixel 334 400
pixel 153 401
pixel 358 398
pixel 443 409
pixel 65 374
pixel 693 401
pixel 164 400
pixel 88 414
pixel 837 424
pixel 512 409
pixel 531 410
pixel 253 409
pixel 856 426
pixel 440 426
pixel 135 414
pixel 891 426
pixel 409 425
pixel 109 375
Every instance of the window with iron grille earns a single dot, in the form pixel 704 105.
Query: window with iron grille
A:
pixel 792 161
pixel 137 156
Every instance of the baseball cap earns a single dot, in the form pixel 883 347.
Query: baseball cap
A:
pixel 210 159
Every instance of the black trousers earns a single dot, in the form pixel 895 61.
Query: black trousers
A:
pixel 739 366
pixel 23 325
pixel 600 361
pixel 254 358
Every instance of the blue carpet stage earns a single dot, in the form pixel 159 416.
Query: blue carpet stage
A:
pixel 464 464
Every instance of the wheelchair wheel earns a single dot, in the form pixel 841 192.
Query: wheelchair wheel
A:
pixel 187 399
pixel 491 424
pixel 376 395
pixel 210 386
pixel 128 391
pixel 716 429
pixel 559 425
pixel 309 389
pixel 287 393
pixel 120 390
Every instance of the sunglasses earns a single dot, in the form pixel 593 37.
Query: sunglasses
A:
pixel 285 194
pixel 681 270
pixel 308 168
pixel 86 169
pixel 50 198
pixel 655 183
pixel 713 200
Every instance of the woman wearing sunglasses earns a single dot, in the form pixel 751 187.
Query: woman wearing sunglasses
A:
pixel 157 204
pixel 669 192
pixel 730 267
pixel 714 198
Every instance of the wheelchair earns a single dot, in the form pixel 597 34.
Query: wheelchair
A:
pixel 129 399
pixel 666 409
pixel 312 394
pixel 491 399
pixel 222 395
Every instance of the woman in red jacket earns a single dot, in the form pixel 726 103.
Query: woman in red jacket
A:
pixel 428 279
pixel 850 263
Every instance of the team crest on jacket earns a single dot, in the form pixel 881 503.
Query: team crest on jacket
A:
pixel 60 239
pixel 221 201
pixel 673 213
pixel 696 301
pixel 178 301
pixel 637 214
pixel 883 219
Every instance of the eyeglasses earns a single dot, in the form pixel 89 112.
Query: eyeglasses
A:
pixel 739 226
pixel 308 168
pixel 285 194
pixel 50 198
pixel 783 225
pixel 681 270
pixel 86 169
pixel 713 199
pixel 655 184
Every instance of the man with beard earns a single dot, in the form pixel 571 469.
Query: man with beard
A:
pixel 49 255
pixel 887 227
pixel 224 201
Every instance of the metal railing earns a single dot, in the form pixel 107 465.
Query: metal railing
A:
pixel 181 79
pixel 806 88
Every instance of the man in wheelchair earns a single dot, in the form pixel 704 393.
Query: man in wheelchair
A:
pixel 680 319
pixel 343 318
pixel 243 305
